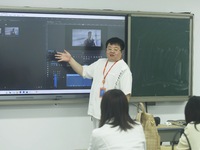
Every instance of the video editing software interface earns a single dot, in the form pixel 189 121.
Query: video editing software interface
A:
pixel 29 41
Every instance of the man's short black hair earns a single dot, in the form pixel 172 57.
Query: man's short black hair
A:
pixel 116 40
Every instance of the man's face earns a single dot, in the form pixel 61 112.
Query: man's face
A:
pixel 113 52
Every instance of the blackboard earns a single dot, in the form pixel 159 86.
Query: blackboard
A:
pixel 160 55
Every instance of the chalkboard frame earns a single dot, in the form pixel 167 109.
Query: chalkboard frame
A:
pixel 168 16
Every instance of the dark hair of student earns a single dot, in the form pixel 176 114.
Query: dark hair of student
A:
pixel 115 110
pixel 192 110
pixel 116 40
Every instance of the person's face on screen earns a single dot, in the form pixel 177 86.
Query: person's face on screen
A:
pixel 89 35
pixel 113 52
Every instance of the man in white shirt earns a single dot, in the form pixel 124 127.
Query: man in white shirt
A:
pixel 107 73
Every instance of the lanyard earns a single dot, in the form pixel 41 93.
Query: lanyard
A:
pixel 104 78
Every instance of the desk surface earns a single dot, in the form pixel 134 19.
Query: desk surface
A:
pixel 169 127
pixel 167 132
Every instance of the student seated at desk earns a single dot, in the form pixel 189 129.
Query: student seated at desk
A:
pixel 117 130
pixel 192 129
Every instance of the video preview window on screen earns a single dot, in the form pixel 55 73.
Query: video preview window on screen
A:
pixel 29 42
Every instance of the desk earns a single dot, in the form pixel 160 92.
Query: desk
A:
pixel 167 132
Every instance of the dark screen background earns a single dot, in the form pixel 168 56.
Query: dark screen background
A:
pixel 27 58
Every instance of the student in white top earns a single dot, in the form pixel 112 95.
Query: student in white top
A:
pixel 107 73
pixel 192 130
pixel 117 130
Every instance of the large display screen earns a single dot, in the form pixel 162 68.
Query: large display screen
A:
pixel 29 40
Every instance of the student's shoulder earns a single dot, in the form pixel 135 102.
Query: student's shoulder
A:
pixel 137 126
pixel 97 132
pixel 104 129
pixel 191 126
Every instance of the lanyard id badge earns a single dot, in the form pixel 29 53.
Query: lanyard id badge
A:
pixel 102 91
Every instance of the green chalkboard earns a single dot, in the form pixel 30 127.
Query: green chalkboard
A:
pixel 160 56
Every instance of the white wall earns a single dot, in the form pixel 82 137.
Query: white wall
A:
pixel 67 126
pixel 44 127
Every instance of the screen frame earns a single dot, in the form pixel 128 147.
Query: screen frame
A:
pixel 59 95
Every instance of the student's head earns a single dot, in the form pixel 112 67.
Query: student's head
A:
pixel 192 110
pixel 114 48
pixel 115 110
